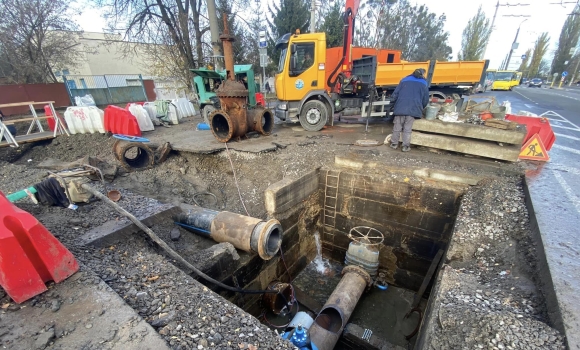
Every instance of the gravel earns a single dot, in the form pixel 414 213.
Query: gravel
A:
pixel 489 293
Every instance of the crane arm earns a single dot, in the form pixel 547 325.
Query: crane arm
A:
pixel 351 9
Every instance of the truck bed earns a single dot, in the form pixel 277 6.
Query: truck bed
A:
pixel 438 73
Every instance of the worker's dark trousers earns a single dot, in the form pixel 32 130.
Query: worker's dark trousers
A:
pixel 403 123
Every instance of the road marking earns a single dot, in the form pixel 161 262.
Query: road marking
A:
pixel 568 190
pixel 567 169
pixel 517 92
pixel 559 115
pixel 567 137
pixel 564 127
pixel 564 148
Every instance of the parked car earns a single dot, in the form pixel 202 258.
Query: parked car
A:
pixel 536 82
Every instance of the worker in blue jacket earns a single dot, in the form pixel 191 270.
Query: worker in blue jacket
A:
pixel 409 99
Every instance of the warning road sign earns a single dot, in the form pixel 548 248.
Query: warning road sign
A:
pixel 534 150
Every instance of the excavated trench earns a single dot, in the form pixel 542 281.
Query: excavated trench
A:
pixel 416 219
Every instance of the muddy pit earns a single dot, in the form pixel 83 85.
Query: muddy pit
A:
pixel 484 294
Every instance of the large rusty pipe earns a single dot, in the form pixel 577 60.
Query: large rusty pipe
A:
pixel 260 120
pixel 227 41
pixel 244 232
pixel 334 315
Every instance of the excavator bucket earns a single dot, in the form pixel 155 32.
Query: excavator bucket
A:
pixel 30 255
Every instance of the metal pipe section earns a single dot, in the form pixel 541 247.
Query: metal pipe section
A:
pixel 260 120
pixel 334 315
pixel 227 41
pixel 245 233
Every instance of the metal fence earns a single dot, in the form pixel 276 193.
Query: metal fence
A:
pixel 106 89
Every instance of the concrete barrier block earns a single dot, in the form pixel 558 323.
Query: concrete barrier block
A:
pixel 477 132
pixel 467 146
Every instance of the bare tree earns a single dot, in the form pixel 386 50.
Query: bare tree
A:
pixel 37 37
pixel 568 40
pixel 540 50
pixel 475 36
pixel 178 26
pixel 413 29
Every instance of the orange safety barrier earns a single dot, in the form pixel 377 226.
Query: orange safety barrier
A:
pixel 121 121
pixel 535 125
pixel 30 255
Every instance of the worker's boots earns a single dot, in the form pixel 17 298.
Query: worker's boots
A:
pixel 406 148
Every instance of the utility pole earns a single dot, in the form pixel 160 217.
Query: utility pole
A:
pixel 493 21
pixel 312 17
pixel 215 32
pixel 514 45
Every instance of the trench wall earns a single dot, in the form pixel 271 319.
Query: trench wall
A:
pixel 295 203
pixel 415 216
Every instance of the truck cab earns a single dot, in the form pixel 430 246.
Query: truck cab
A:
pixel 300 81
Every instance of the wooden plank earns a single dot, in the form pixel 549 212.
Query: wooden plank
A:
pixel 26 119
pixel 17 104
pixel 47 135
pixel 477 132
pixel 467 146
pixel 41 103
pixel 428 276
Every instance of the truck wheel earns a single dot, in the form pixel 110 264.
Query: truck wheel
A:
pixel 313 116
pixel 207 110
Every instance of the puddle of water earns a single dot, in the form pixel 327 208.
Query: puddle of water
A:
pixel 319 285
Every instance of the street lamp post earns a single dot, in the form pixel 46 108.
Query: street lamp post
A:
pixel 514 45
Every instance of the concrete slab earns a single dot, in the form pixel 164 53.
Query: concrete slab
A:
pixel 467 146
pixel 478 132
pixel 79 313
pixel 116 230
pixel 185 138
pixel 287 193
pixel 559 262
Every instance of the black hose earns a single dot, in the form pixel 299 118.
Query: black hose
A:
pixel 172 253
pixel 329 81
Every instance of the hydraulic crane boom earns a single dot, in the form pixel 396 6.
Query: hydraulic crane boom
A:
pixel 350 12
pixel 349 17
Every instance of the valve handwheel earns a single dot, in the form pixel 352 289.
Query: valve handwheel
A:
pixel 366 235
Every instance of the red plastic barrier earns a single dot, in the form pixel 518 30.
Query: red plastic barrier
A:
pixel 121 121
pixel 51 122
pixel 260 100
pixel 30 256
pixel 535 125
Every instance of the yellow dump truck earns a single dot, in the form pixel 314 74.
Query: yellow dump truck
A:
pixel 311 88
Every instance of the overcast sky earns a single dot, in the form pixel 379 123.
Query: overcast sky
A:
pixel 545 16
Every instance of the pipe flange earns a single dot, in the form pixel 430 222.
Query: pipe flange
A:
pixel 218 130
pixel 359 271
pixel 270 226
